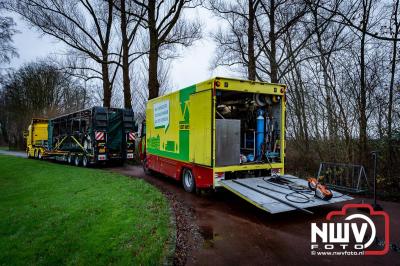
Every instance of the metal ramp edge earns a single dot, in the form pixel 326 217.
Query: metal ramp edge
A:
pixel 273 198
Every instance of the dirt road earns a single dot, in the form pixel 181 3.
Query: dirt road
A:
pixel 237 233
pixel 14 153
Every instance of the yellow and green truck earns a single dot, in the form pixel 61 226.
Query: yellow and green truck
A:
pixel 219 129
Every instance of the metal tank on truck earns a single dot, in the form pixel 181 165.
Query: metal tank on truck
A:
pixel 228 133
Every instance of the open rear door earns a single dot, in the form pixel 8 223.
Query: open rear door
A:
pixel 200 128
pixel 279 197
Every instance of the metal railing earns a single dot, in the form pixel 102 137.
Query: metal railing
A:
pixel 351 178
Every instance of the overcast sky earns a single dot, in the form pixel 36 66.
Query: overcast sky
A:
pixel 191 68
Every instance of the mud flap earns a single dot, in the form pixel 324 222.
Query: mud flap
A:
pixel 290 193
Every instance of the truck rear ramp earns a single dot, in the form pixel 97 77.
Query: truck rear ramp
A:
pixel 279 194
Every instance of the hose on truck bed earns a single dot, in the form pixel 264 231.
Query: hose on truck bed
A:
pixel 297 192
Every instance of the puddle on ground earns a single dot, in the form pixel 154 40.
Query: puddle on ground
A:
pixel 207 232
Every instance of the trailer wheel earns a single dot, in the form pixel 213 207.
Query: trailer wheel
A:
pixel 69 159
pixel 85 162
pixel 77 161
pixel 188 181
pixel 35 154
pixel 39 155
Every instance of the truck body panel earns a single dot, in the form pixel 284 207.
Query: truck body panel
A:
pixel 181 129
pixel 200 128
pixel 168 132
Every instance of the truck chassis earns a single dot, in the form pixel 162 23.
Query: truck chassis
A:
pixel 87 137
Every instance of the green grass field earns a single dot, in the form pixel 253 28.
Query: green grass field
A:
pixel 58 214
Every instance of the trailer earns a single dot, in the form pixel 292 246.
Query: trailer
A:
pixel 88 137
pixel 228 133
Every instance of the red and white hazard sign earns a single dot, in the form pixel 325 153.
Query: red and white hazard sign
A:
pixel 99 135
pixel 131 136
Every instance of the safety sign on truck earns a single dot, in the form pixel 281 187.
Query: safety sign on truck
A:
pixel 161 114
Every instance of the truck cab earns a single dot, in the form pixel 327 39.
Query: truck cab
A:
pixel 37 138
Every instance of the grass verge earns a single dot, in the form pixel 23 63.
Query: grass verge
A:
pixel 58 214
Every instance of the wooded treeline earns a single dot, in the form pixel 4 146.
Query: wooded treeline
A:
pixel 338 57
pixel 119 44
pixel 36 90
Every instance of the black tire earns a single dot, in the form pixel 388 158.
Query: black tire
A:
pixel 70 159
pixel 77 161
pixel 85 161
pixel 39 156
pixel 28 155
pixel 35 154
pixel 188 181
pixel 146 169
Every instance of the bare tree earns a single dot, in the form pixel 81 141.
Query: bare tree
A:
pixel 130 25
pixel 166 28
pixel 251 39
pixel 38 89
pixel 140 84
pixel 84 25
pixel 366 11
pixel 330 40
pixel 281 15
pixel 236 46
pixel 254 35
pixel 394 29
pixel 7 31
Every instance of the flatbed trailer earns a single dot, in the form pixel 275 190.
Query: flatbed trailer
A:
pixel 92 136
pixel 220 131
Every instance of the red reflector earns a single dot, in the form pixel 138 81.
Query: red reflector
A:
pixel 217 83
pixel 282 90
pixel 99 135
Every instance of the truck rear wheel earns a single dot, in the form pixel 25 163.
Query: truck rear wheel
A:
pixel 85 161
pixel 69 159
pixel 39 155
pixel 188 181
